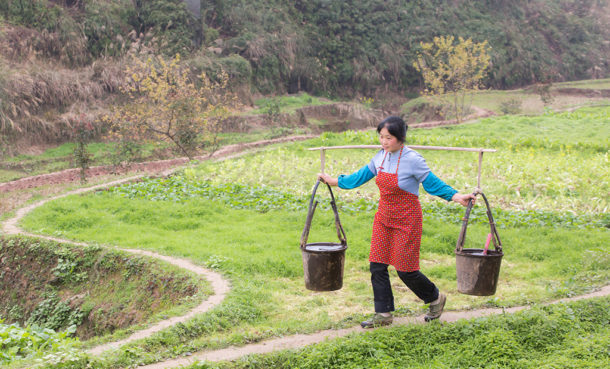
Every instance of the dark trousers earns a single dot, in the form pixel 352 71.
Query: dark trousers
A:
pixel 382 289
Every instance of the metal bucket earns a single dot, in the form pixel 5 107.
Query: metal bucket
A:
pixel 323 261
pixel 323 266
pixel 477 271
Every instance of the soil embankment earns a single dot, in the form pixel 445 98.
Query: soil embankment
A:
pixel 57 285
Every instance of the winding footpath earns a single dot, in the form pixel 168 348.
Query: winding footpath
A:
pixel 221 288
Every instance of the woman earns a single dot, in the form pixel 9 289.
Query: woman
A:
pixel 397 227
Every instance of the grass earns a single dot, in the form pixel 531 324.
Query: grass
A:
pixel 61 157
pixel 255 242
pixel 287 104
pixel 58 158
pixel 574 335
pixel 263 262
pixel 590 83
pixel 530 102
pixel 539 166
pixel 259 135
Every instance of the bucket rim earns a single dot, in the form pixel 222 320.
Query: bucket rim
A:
pixel 342 248
pixel 477 253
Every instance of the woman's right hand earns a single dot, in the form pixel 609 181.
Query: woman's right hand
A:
pixel 328 179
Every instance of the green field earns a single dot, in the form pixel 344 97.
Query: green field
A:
pixel 596 84
pixel 244 216
pixel 555 162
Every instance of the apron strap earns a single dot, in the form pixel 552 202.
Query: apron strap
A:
pixel 399 156
pixel 397 163
pixel 383 161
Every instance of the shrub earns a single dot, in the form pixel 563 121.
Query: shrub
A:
pixel 166 104
pixel 106 25
pixel 512 106
pixel 451 71
pixel 84 132
pixel 237 68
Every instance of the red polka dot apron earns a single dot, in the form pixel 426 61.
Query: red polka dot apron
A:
pixel 397 228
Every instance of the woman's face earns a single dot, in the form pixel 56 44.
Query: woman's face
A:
pixel 388 142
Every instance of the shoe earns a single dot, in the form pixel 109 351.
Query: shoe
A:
pixel 377 321
pixel 436 308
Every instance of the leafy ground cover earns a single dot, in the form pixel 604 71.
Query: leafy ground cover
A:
pixel 574 335
pixel 34 342
pixel 555 162
pixel 183 187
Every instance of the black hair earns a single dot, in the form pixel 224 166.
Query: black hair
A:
pixel 395 125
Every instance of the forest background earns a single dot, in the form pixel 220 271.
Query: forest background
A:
pixel 63 61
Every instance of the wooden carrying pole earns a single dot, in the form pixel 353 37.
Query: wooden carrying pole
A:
pixel 415 147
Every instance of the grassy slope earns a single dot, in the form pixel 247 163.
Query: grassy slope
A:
pixel 529 101
pixel 595 84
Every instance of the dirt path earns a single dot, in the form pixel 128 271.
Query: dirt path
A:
pixel 150 167
pixel 221 288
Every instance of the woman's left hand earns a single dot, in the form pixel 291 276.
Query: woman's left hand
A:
pixel 463 198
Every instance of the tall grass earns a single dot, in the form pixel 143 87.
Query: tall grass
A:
pixel 33 90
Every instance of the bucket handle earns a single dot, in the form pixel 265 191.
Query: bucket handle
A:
pixel 492 225
pixel 312 209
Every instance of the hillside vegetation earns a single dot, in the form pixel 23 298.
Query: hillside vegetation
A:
pixel 61 59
